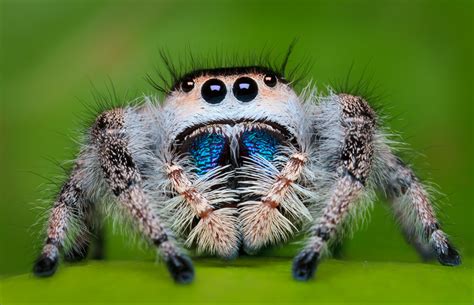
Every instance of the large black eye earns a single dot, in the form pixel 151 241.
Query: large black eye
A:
pixel 245 89
pixel 213 91
pixel 270 80
pixel 187 84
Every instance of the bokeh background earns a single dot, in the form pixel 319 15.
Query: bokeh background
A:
pixel 54 52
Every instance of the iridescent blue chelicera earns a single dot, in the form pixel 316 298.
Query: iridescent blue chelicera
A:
pixel 206 151
pixel 260 142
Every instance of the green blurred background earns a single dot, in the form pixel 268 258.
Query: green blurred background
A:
pixel 51 51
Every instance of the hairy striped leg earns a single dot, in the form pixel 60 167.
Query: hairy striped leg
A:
pixel 358 123
pixel 412 206
pixel 125 181
pixel 93 233
pixel 63 218
pixel 82 240
pixel 109 139
pixel 262 222
pixel 345 193
pixel 217 230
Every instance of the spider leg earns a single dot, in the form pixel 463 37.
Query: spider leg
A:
pixel 352 167
pixel 93 233
pixel 410 201
pixel 107 162
pixel 217 229
pixel 124 178
pixel 63 218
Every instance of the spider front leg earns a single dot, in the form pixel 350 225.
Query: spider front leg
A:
pixel 357 122
pixel 108 154
pixel 124 179
pixel 412 206
pixel 92 233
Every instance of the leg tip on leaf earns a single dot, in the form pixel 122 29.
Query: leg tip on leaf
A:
pixel 304 265
pixel 450 257
pixel 45 266
pixel 181 269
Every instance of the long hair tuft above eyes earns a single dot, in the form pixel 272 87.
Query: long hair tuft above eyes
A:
pixel 174 67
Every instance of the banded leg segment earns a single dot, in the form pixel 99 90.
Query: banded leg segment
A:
pixel 411 204
pixel 63 216
pixel 92 235
pixel 217 229
pixel 358 123
pixel 262 221
pixel 123 177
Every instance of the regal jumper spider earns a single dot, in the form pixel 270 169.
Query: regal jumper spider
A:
pixel 234 160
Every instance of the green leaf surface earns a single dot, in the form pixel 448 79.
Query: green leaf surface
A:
pixel 246 280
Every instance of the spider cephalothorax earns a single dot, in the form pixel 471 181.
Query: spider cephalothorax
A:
pixel 235 159
pixel 230 122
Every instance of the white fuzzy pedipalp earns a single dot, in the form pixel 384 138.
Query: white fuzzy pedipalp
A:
pixel 181 214
pixel 262 224
pixel 217 233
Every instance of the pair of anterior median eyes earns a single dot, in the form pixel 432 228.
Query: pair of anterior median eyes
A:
pixel 214 90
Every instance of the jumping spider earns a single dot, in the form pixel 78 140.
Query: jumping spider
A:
pixel 235 160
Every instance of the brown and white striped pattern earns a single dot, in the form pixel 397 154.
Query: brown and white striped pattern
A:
pixel 261 221
pixel 217 230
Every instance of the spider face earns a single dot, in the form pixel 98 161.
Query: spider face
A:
pixel 224 114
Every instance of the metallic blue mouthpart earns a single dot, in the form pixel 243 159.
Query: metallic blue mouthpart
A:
pixel 206 151
pixel 260 142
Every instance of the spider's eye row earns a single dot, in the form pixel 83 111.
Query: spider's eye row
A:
pixel 213 91
pixel 187 85
pixel 245 89
pixel 270 80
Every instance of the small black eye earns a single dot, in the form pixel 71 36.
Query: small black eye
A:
pixel 187 84
pixel 213 91
pixel 245 89
pixel 270 80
